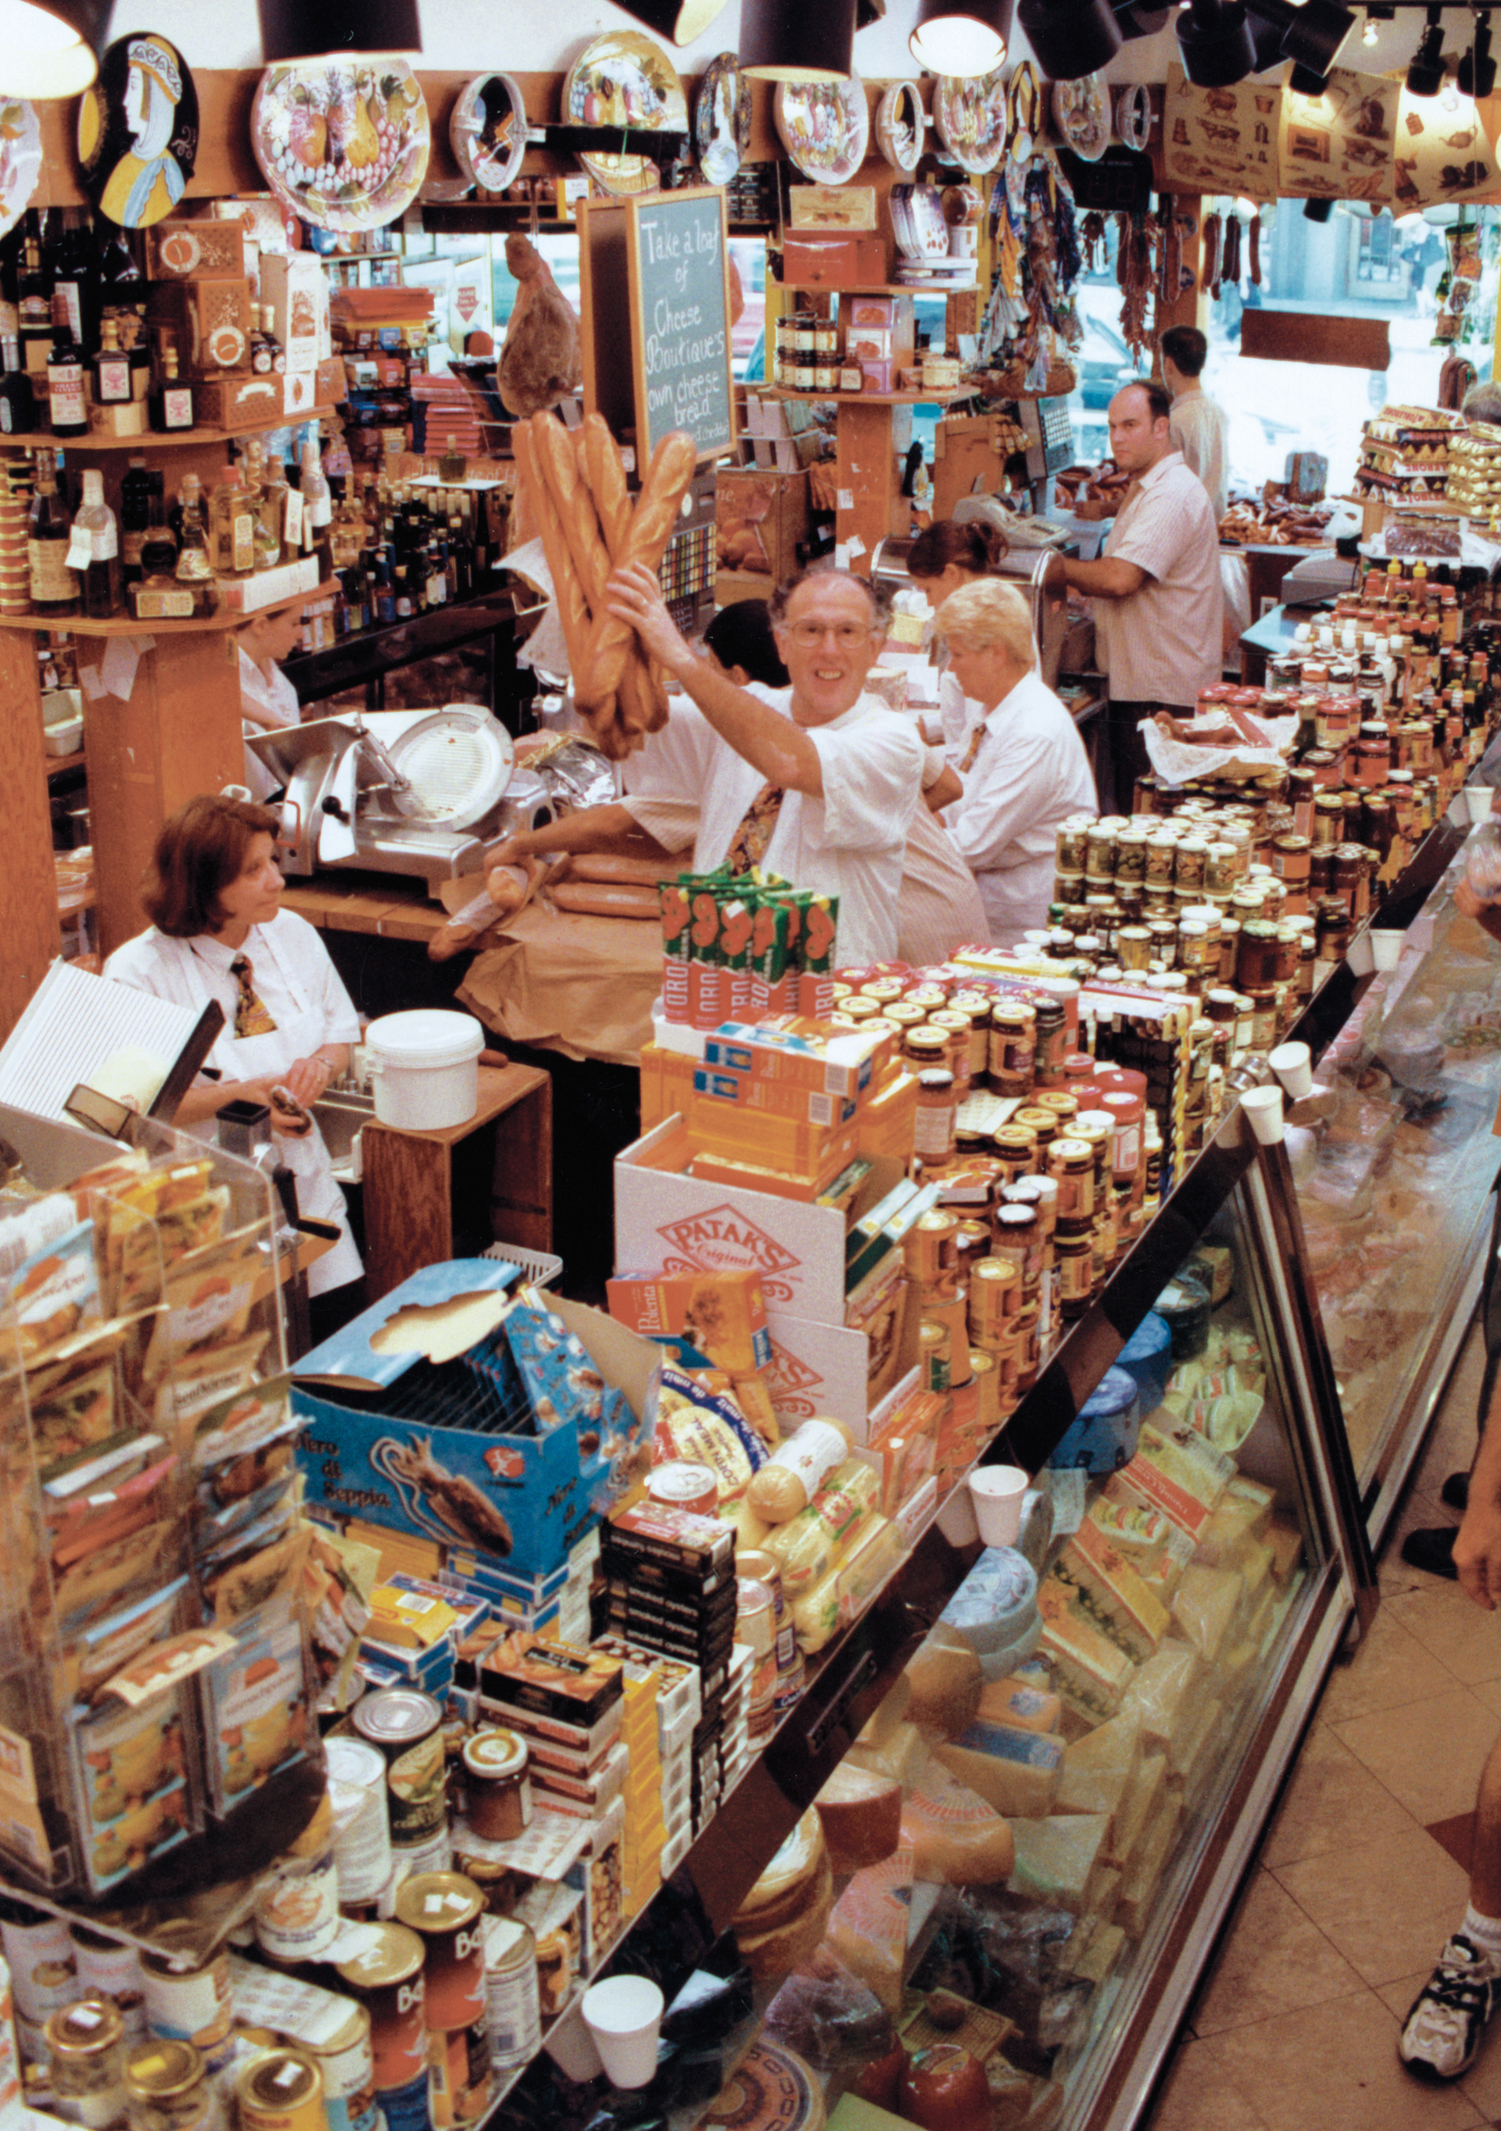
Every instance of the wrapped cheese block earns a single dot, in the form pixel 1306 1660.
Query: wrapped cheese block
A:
pixel 1114 1594
pixel 1165 1695
pixel 945 1682
pixel 1098 1770
pixel 1090 1672
pixel 902 1754
pixel 1205 1608
pixel 1057 1859
pixel 1016 1772
pixel 885 1717
pixel 1021 1703
pixel 868 1929
pixel 957 1839
pixel 1147 1789
pixel 861 1816
pixel 1141 1885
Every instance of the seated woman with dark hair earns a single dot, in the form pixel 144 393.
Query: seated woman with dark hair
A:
pixel 218 933
pixel 954 552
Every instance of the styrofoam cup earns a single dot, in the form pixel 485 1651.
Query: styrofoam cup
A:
pixel 571 2047
pixel 956 1520
pixel 624 2015
pixel 997 1492
pixel 1386 946
pixel 1362 956
pixel 1263 1109
pixel 1477 798
pixel 1293 1065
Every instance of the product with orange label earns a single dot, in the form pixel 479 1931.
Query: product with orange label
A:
pixel 812 1542
pixel 957 1837
pixel 797 1468
pixel 722 1314
pixel 868 1929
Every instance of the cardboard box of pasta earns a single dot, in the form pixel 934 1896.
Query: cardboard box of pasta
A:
pixel 456 1412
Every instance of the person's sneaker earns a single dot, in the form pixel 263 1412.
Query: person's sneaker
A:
pixel 1442 2033
pixel 1455 1492
pixel 1431 1550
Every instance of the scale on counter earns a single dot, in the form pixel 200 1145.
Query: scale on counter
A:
pixel 398 791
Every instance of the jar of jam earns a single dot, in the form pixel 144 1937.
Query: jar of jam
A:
pixel 925 1048
pixel 1072 843
pixel 1256 958
pixel 1071 1162
pixel 937 1103
pixel 1042 1124
pixel 1329 818
pixel 1334 928
pixel 86 2049
pixel 1325 765
pixel 1287 954
pixel 1013 1047
pixel 1194 947
pixel 1016 1150
pixel 1189 866
pixel 1161 857
pixel 954 1025
pixel 1068 887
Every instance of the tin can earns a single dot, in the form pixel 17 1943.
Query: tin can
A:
pixel 167 2088
pixel 43 1970
pixel 188 2004
pixel 280 2091
pixel 933 1355
pixel 930 1250
pixel 684 1486
pixel 407 1728
pixel 346 2063
pixel 386 1978
pixel 458 2075
pixel 513 2013
pixel 496 1787
pixel 109 1969
pixel 444 1909
pixel 297 1908
pixel 362 1827
pixel 406 2108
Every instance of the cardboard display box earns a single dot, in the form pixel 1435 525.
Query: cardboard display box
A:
pixel 760 517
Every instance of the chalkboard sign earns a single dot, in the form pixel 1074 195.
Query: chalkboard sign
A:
pixel 655 278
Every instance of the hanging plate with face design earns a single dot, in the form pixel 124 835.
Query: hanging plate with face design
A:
pixel 487 131
pixel 343 143
pixel 721 119
pixel 20 159
pixel 969 116
pixel 138 131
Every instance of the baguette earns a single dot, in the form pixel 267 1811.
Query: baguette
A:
pixel 594 680
pixel 618 869
pixel 606 477
pixel 635 699
pixel 568 589
pixel 608 899
pixel 673 465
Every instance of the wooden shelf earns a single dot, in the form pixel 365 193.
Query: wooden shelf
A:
pixel 876 399
pixel 875 288
pixel 56 764
pixel 161 440
pixel 123 625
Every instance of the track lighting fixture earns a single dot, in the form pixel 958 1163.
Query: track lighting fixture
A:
pixel 797 40
pixel 1215 42
pixel 1425 72
pixel 1477 69
pixel 1070 38
pixel 961 37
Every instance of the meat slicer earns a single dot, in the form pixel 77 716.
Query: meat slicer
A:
pixel 419 792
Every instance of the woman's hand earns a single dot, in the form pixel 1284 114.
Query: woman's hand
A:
pixel 306 1081
pixel 633 595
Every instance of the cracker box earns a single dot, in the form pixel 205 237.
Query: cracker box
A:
pixel 398 1452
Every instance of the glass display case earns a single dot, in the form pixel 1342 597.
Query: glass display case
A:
pixel 1396 1158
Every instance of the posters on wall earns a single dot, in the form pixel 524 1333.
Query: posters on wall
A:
pixel 1221 140
pixel 1339 146
pixel 1443 151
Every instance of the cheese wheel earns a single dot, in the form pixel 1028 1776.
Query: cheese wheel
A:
pixel 946 1680
pixel 957 1839
pixel 861 1816
pixel 604 900
pixel 770 1953
pixel 781 1890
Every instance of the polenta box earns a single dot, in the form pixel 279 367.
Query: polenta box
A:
pixel 416 1417
pixel 132 1800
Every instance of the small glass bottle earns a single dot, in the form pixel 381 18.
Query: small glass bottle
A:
pixel 69 413
pixel 54 589
pixel 194 568
pixel 95 522
pixel 111 368
pixel 231 538
pixel 169 404
pixel 17 399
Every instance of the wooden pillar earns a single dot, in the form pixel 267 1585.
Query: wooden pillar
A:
pixel 28 879
pixel 870 476
pixel 174 734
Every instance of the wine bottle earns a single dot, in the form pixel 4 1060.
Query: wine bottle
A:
pixel 54 590
pixel 111 368
pixel 69 413
pixel 35 306
pixel 17 399
pixel 169 404
pixel 94 553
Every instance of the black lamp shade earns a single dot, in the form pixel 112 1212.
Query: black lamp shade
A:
pixel 680 21
pixel 90 18
pixel 1215 41
pixel 307 29
pixel 960 37
pixel 1317 210
pixel 1134 20
pixel 797 40
pixel 1071 38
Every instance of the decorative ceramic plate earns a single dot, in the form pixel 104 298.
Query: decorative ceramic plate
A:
pixel 917 217
pixel 1133 116
pixel 623 79
pixel 721 119
pixel 487 131
pixel 901 124
pixel 138 131
pixel 344 143
pixel 969 113
pixel 20 159
pixel 824 126
pixel 1081 115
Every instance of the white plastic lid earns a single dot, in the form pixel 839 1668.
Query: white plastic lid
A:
pixel 426 1036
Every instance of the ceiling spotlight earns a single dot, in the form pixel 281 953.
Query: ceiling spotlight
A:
pixel 49 51
pixel 1311 36
pixel 1425 73
pixel 950 37
pixel 1136 20
pixel 797 40
pixel 1477 69
pixel 1215 42
pixel 1070 38
pixel 337 28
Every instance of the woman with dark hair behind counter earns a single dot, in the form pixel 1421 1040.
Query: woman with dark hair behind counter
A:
pixel 943 557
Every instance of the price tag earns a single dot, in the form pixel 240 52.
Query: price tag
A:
pixel 80 548
pixel 292 532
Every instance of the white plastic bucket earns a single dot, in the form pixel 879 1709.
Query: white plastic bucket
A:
pixel 424 1068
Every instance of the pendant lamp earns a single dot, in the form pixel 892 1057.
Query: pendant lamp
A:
pixel 797 40
pixel 1215 43
pixel 1070 38
pixel 48 52
pixel 680 21
pixel 950 37
pixel 331 29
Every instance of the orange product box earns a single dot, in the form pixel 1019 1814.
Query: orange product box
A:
pixel 666 1084
pixel 887 1122
pixel 778 1098
pixel 722 1314
pixel 831 1061
pixel 770 1142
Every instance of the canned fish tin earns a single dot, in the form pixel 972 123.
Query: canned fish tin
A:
pixel 282 2090
pixel 347 2064
pixel 44 1977
pixel 407 1728
pixel 188 2004
pixel 458 2075
pixel 496 1788
pixel 681 1485
pixel 514 2012
pixel 362 1828
pixel 444 1909
pixel 167 2088
pixel 109 1969
pixel 386 1977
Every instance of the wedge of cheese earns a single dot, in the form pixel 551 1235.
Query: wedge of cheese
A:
pixel 1015 1772
pixel 902 1754
pixel 945 1681
pixel 1019 1702
pixel 957 1838
pixel 1145 1794
pixel 1128 1610
pixel 1099 1769
pixel 1090 1672
pixel 1205 1608
pixel 868 1929
pixel 1057 1859
pixel 861 1816
pixel 1165 1695
pixel 1142 1884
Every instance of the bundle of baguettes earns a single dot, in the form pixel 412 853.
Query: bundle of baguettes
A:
pixel 576 487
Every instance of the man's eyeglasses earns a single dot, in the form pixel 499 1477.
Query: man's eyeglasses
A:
pixel 848 636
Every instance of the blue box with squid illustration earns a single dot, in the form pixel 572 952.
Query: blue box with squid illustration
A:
pixel 458 1410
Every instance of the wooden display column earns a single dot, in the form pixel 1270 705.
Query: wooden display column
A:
pixel 176 734
pixel 871 476
pixel 28 878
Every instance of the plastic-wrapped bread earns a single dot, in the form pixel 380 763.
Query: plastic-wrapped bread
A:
pixel 796 1469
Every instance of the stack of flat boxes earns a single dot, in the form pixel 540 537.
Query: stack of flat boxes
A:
pixel 670 1587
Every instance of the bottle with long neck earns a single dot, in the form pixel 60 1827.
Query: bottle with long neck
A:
pixel 274 500
pixel 17 399
pixel 54 589
pixel 95 525
pixel 231 539
pixel 194 569
pixel 67 405
pixel 34 303
pixel 266 543
pixel 317 508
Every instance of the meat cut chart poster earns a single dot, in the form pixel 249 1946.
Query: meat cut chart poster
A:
pixel 1221 140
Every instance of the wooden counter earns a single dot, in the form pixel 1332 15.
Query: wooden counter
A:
pixel 394 905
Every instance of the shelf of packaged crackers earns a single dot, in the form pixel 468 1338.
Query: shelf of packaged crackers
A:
pixel 162 439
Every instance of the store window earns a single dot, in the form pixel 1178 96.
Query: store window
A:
pixel 1103 360
pixel 1355 265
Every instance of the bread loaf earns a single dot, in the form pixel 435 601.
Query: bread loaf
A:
pixel 619 869
pixel 606 478
pixel 606 900
pixel 672 467
pixel 568 588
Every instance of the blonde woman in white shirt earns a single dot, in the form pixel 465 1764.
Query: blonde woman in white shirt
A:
pixel 1023 769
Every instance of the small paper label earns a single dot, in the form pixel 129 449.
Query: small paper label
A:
pixel 855 544
pixel 292 531
pixel 80 549
pixel 846 499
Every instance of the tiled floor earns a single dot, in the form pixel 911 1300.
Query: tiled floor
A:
pixel 1361 1875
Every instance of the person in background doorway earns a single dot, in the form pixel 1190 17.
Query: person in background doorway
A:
pixel 1156 587
pixel 1024 769
pixel 268 701
pixel 1195 423
pixel 1482 403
